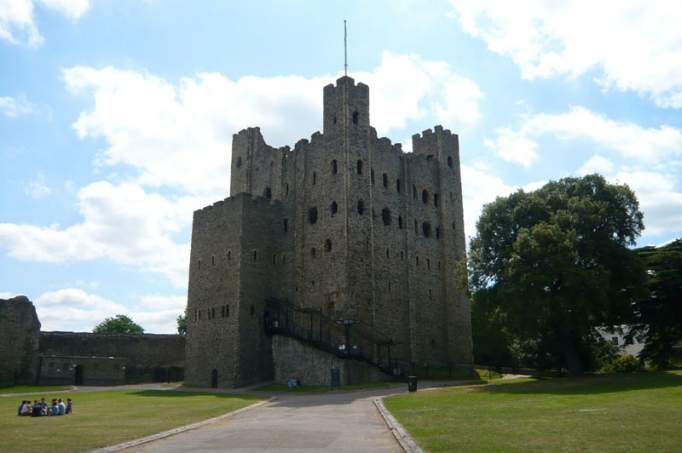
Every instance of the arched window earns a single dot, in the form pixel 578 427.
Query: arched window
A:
pixel 229 255
pixel 414 191
pixel 397 185
pixel 426 229
pixel 388 253
pixel 239 161
pixel 425 196
pixel 333 208
pixel 450 161
pixel 335 167
pixel 213 260
pixel 334 120
pixel 386 216
pixel 328 245
pixel 312 215
pixel 314 178
pixel 400 222
pixel 428 263
pixel 356 115
pixel 435 199
pixel 361 207
pixel 454 226
pixel 359 167
pixel 385 180
pixel 267 193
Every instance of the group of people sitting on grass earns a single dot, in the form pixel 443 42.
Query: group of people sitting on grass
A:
pixel 41 408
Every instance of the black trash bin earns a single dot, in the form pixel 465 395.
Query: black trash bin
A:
pixel 412 383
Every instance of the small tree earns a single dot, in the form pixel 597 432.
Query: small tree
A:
pixel 182 324
pixel 118 324
pixel 660 311
pixel 554 265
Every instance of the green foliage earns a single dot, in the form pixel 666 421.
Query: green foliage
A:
pixel 552 265
pixel 118 324
pixel 182 324
pixel 660 312
pixel 623 364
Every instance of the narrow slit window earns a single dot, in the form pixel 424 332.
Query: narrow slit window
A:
pixel 333 208
pixel 359 167
pixel 335 167
pixel 384 177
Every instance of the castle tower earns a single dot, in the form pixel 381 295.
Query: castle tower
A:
pixel 345 225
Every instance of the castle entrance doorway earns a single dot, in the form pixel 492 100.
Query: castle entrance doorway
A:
pixel 214 378
pixel 78 375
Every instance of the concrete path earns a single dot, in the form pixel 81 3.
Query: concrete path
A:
pixel 330 422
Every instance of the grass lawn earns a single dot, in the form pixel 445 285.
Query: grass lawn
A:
pixel 33 388
pixel 106 418
pixel 629 412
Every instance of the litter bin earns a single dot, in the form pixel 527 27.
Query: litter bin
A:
pixel 412 383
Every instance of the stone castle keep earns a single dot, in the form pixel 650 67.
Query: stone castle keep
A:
pixel 340 253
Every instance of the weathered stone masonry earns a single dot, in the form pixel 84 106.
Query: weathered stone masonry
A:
pixel 345 223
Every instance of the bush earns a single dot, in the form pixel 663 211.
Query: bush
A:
pixel 623 364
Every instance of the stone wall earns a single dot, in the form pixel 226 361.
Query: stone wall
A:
pixel 68 370
pixel 296 360
pixel 19 329
pixel 144 354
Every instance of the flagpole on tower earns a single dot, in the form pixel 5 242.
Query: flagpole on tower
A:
pixel 345 49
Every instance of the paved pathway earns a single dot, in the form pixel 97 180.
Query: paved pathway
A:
pixel 330 422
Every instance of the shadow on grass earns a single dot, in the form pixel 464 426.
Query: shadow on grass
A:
pixel 586 385
pixel 180 394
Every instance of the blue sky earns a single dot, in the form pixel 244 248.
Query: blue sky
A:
pixel 116 118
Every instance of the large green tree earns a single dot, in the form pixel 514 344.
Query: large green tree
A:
pixel 660 312
pixel 554 264
pixel 118 324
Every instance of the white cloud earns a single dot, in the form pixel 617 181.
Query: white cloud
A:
pixel 407 87
pixel 14 107
pixel 513 147
pixel 72 9
pixel 478 188
pixel 635 44
pixel 180 134
pixel 659 200
pixel 73 309
pixel 120 222
pixel 37 187
pixel 596 164
pixel 177 136
pixel 17 24
pixel 630 140
pixel 7 295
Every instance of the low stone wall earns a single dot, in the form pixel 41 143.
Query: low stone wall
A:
pixel 296 360
pixel 67 370
pixel 148 357
pixel 19 329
